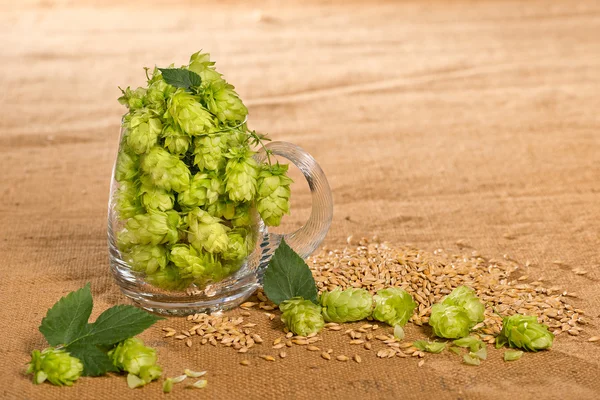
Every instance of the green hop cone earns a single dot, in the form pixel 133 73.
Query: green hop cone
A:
pixel 197 265
pixel 132 356
pixel 168 278
pixel 448 321
pixel 224 102
pixel 147 258
pixel 242 215
pixel 524 332
pixel 186 111
pixel 239 245
pixel 273 193
pixel 155 227
pixel 165 170
pixel 346 305
pixel 143 128
pixel 394 306
pixel 241 174
pixel 204 189
pixel 155 198
pixel 223 208
pixel 465 297
pixel 176 141
pixel 206 232
pixel 133 99
pixel 157 94
pixel 127 167
pixel 209 152
pixel 302 317
pixel 127 201
pixel 56 366
pixel 200 63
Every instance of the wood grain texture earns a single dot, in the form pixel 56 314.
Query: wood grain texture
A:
pixel 435 121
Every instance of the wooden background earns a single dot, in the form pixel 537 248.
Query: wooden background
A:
pixel 435 121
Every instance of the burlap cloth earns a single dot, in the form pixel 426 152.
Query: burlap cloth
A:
pixel 434 122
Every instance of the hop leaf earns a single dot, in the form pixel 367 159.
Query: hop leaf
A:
pixel 302 317
pixel 394 306
pixel 165 170
pixel 186 111
pixel 241 174
pixel 524 332
pixel 346 305
pixel 206 232
pixel 273 193
pixel 132 356
pixel 465 297
pixel 142 131
pixel 55 366
pixel 147 258
pixel 450 321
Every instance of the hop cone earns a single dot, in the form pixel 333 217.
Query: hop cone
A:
pixel 165 170
pixel 143 129
pixel 239 245
pixel 158 93
pixel 524 332
pixel 192 264
pixel 206 232
pixel 241 174
pixel 133 99
pixel 189 114
pixel 448 321
pixel 200 63
pixel 302 317
pixel 155 198
pixel 127 201
pixel 204 190
pixel 465 297
pixel 273 194
pixel 147 258
pixel 154 228
pixel 223 208
pixel 168 278
pixel 393 306
pixel 242 215
pixel 176 141
pixel 209 152
pixel 224 102
pixel 128 166
pixel 56 366
pixel 346 305
pixel 132 356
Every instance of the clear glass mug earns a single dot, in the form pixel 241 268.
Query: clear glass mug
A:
pixel 235 289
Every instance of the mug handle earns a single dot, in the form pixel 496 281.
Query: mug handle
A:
pixel 306 239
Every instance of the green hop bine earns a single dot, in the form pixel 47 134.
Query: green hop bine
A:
pixel 465 297
pixel 394 306
pixel 133 357
pixel 56 366
pixel 302 317
pixel 346 305
pixel 451 322
pixel 273 193
pixel 524 332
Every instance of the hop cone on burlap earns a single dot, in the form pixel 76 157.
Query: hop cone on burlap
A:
pixel 241 174
pixel 206 232
pixel 155 198
pixel 273 193
pixel 524 332
pixel 168 278
pixel 132 356
pixel 465 297
pixel 133 99
pixel 176 141
pixel 200 63
pixel 155 227
pixel 302 317
pixel 224 102
pixel 127 167
pixel 239 245
pixel 165 170
pixel 143 128
pixel 147 258
pixel 127 201
pixel 196 265
pixel 56 366
pixel 209 152
pixel 346 305
pixel 189 114
pixel 448 321
pixel 394 306
pixel 204 189
pixel 158 93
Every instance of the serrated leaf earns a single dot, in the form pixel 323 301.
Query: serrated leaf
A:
pixel 181 78
pixel 95 361
pixel 117 323
pixel 68 318
pixel 288 276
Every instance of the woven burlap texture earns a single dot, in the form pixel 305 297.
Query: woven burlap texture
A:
pixel 434 122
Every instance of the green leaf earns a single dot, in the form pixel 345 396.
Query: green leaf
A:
pixel 430 347
pixel 288 276
pixel 95 361
pixel 471 359
pixel 181 78
pixel 116 324
pixel 68 318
